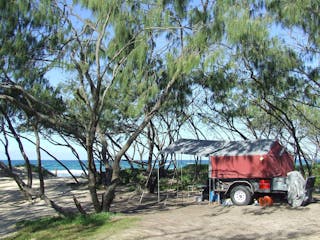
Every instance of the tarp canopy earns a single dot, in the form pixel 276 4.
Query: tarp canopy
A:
pixel 207 148
pixel 194 147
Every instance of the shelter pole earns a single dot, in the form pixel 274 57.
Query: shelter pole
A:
pixel 181 178
pixel 209 177
pixel 181 169
pixel 158 176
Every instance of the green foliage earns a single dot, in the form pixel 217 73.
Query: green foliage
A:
pixel 316 173
pixel 133 176
pixel 260 81
pixel 192 174
pixel 26 36
pixel 78 227
pixel 31 38
pixel 315 169
pixel 301 14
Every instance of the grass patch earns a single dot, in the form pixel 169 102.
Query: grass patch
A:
pixel 94 226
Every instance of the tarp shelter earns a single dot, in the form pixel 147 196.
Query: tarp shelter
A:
pixel 263 158
pixel 201 148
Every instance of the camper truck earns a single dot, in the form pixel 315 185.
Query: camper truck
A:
pixel 241 170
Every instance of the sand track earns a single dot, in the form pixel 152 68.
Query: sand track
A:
pixel 173 220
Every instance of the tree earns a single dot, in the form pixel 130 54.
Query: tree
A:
pixel 259 77
pixel 31 45
pixel 301 18
pixel 121 76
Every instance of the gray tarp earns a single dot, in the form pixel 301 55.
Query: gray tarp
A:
pixel 296 188
pixel 194 147
pixel 219 148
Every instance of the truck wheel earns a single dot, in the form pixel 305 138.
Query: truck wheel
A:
pixel 241 195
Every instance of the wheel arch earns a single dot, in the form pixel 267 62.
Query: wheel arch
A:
pixel 238 183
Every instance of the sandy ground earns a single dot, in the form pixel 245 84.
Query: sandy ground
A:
pixel 170 219
pixel 218 222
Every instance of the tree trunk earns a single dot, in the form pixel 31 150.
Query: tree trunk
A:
pixel 109 194
pixel 28 192
pixel 104 157
pixel 151 136
pixel 31 193
pixel 152 180
pixel 57 160
pixel 78 205
pixel 25 157
pixel 6 144
pixel 162 163
pixel 93 189
pixel 92 172
pixel 57 208
pixel 40 170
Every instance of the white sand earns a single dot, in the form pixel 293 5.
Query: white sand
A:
pixel 173 221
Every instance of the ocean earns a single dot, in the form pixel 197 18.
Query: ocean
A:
pixel 75 168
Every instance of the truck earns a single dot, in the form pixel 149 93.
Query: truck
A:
pixel 241 170
pixel 244 170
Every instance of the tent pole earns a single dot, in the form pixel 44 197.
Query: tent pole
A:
pixel 181 169
pixel 158 176
pixel 209 176
pixel 181 178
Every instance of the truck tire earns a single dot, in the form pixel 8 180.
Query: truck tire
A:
pixel 241 195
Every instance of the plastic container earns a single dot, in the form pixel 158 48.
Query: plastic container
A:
pixel 265 201
pixel 214 197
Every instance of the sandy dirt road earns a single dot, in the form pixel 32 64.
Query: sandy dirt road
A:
pixel 219 222
pixel 189 220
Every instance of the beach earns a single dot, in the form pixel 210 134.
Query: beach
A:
pixel 171 218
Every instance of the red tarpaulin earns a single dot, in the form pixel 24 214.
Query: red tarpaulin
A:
pixel 275 162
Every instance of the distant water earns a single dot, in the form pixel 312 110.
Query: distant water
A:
pixel 74 165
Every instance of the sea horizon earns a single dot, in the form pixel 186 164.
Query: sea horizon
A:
pixel 75 168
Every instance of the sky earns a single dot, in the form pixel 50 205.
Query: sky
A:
pixel 61 153
pixel 57 76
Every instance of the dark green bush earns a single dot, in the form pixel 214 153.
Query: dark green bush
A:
pixel 191 175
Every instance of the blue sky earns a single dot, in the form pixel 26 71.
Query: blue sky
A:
pixel 61 153
pixel 57 76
